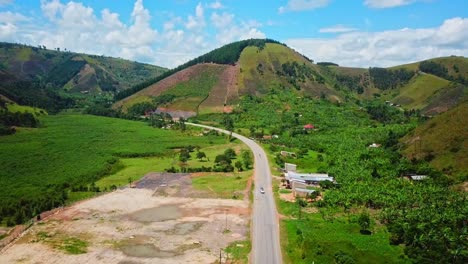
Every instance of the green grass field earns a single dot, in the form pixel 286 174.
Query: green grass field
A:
pixel 314 239
pixel 223 185
pixel 79 149
pixel 136 168
pixel 309 162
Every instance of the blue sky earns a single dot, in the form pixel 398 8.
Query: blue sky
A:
pixel 358 33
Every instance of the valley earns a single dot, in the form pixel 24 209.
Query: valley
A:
pixel 137 181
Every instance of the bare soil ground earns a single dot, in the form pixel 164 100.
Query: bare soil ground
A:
pixel 158 221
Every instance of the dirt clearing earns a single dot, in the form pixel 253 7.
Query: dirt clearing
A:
pixel 136 225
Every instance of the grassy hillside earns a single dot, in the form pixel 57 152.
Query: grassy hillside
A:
pixel 456 65
pixel 72 150
pixel 442 141
pixel 417 92
pixel 72 71
pixel 209 87
pixel 278 66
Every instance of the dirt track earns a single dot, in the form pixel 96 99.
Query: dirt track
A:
pixel 136 226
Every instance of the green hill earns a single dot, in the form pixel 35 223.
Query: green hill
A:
pixel 64 72
pixel 432 86
pixel 217 80
pixel 442 141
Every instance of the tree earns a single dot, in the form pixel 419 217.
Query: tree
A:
pixel 247 159
pixel 228 124
pixel 301 203
pixel 238 165
pixel 230 153
pixel 364 221
pixel 201 155
pixel 184 155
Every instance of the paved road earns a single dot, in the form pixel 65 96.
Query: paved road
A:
pixel 265 230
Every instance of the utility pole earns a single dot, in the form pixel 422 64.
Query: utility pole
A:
pixel 220 256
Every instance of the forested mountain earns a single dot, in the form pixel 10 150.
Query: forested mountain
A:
pixel 48 78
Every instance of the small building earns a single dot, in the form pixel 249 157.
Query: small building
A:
pixel 290 167
pixel 307 178
pixel 302 192
pixel 417 177
pixel 374 145
pixel 309 127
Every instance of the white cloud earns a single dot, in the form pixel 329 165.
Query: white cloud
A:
pixel 51 8
pixel 10 17
pixel 216 5
pixel 196 22
pixel 229 31
pixel 388 48
pixel 79 28
pixel 387 3
pixel 302 5
pixel 337 29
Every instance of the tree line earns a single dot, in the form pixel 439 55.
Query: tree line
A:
pixel 386 79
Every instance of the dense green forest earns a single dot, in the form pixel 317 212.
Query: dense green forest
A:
pixel 385 79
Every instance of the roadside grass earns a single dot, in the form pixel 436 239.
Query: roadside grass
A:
pixel 309 162
pixel 223 185
pixel 314 239
pixel 73 149
pixel 135 168
pixel 329 237
pixel 238 251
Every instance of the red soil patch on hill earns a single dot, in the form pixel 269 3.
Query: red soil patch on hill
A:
pixel 166 83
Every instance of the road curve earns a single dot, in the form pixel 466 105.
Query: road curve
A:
pixel 265 226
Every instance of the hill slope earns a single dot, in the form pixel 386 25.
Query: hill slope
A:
pixel 253 68
pixel 432 86
pixel 442 141
pixel 72 72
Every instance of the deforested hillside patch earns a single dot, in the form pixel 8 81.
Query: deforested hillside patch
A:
pixel 192 84
pixel 228 54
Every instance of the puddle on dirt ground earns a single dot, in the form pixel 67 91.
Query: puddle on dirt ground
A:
pixel 146 251
pixel 185 228
pixel 141 249
pixel 157 214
